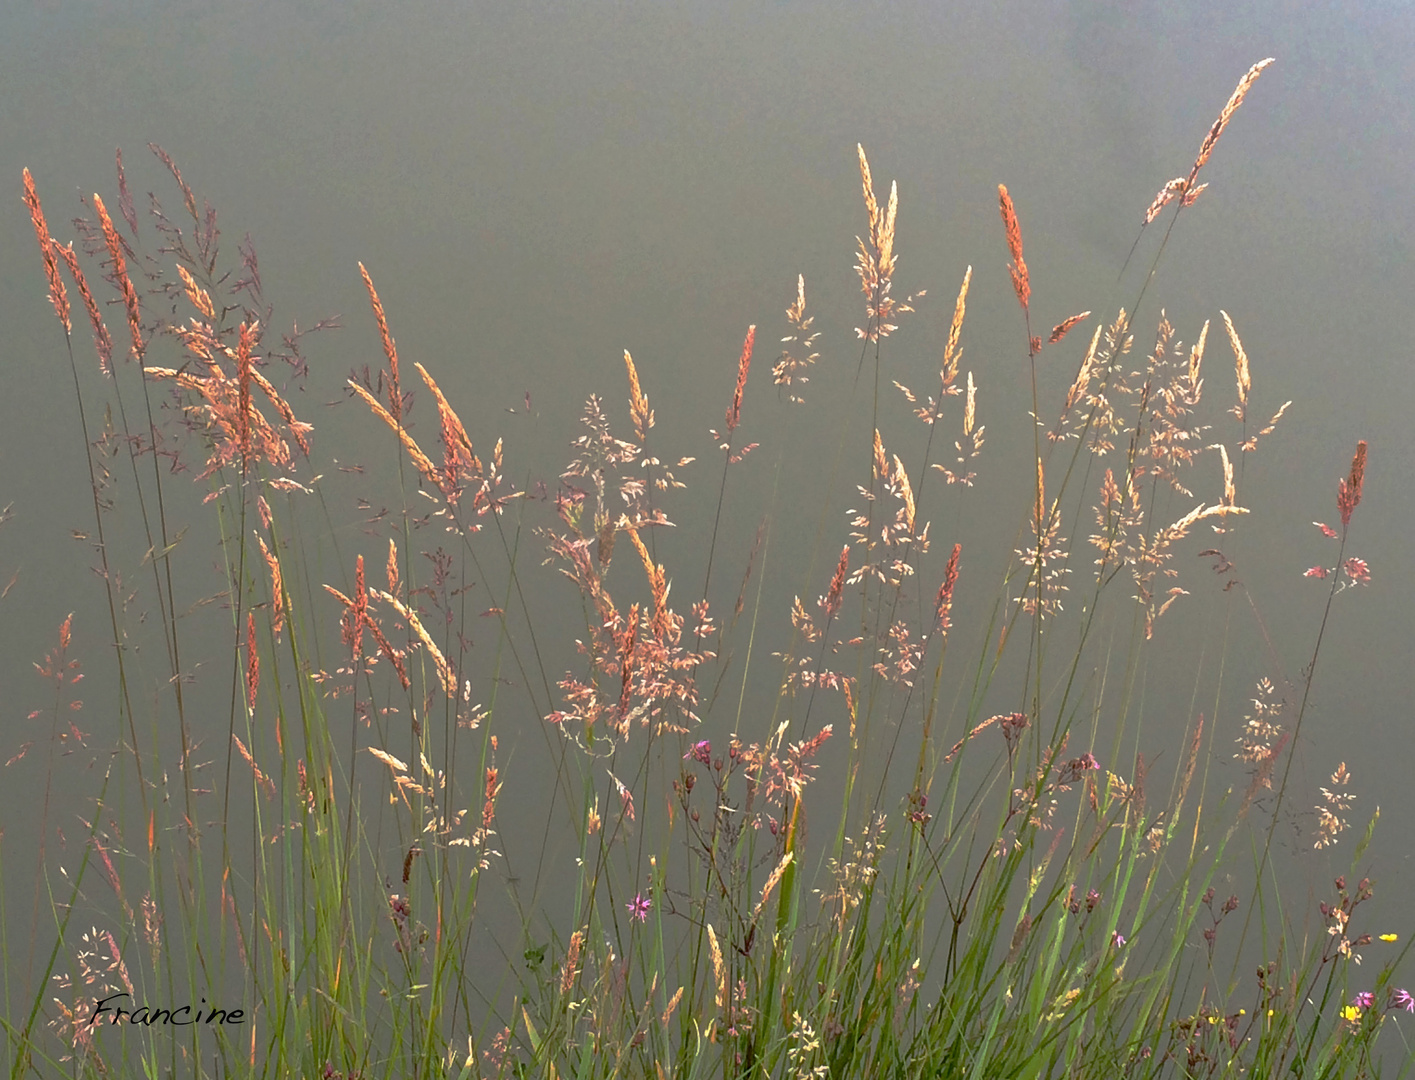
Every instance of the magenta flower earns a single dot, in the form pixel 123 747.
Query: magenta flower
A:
pixel 701 752
pixel 1364 1000
pixel 1401 999
pixel 639 907
pixel 1117 939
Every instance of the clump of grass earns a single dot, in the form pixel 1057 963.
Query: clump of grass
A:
pixel 758 891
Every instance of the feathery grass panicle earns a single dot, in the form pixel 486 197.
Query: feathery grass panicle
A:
pixel 1240 359
pixel 1331 811
pixel 1082 382
pixel 744 363
pixel 298 428
pixel 657 581
pixel 1170 190
pixel 445 673
pixel 277 589
pixel 1183 187
pixel 718 967
pixel 390 348
pixel 189 198
pixel 772 881
pixel 391 567
pixel 952 352
pixel 421 461
pixel 1061 329
pixel 570 969
pixel 943 603
pixel 252 662
pixel 357 619
pixel 906 492
pixel 120 276
pixel 58 295
pixel 831 601
pixel 125 197
pixel 1349 492
pixel 1229 493
pixel 976 730
pixel 200 298
pixel 1020 282
pixel 243 390
pixel 263 781
pixel 1211 139
pixel 1196 359
pixel 458 459
pixel 102 339
pixel 791 368
pixel 639 409
pixel 875 261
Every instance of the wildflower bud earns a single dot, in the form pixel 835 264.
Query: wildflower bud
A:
pixel 1325 909
pixel 689 781
pixel 717 764
pixel 694 814
pixel 1341 883
pixel 1364 939
pixel 1209 897
pixel 1230 905
pixel 1092 899
pixel 1209 934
